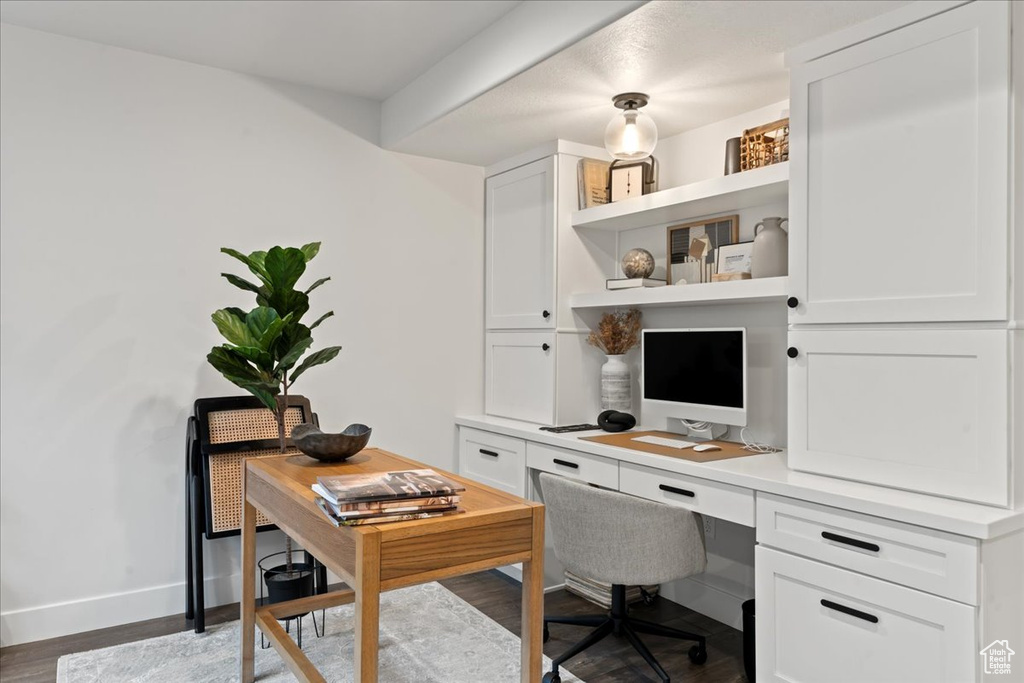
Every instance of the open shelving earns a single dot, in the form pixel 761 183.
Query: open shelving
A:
pixel 717 195
pixel 705 294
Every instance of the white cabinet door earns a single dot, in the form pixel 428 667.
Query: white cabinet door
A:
pixel 899 162
pixel 519 376
pixel 923 410
pixel 520 235
pixel 821 624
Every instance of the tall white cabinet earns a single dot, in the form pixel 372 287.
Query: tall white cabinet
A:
pixel 899 240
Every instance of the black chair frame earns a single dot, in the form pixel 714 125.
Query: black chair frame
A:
pixel 198 504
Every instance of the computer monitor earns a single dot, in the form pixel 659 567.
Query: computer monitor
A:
pixel 696 375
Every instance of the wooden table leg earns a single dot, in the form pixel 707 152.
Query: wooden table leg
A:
pixel 367 608
pixel 248 616
pixel 533 604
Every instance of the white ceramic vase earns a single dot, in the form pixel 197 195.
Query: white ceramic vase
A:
pixel 770 254
pixel 615 384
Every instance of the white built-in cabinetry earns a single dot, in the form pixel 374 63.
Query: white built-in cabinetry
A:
pixel 899 218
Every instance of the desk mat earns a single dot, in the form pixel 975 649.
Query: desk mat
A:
pixel 625 440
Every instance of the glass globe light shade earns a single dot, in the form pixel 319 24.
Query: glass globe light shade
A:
pixel 631 135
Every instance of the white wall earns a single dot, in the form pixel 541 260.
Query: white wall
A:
pixel 122 176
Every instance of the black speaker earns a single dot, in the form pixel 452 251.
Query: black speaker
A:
pixel 614 421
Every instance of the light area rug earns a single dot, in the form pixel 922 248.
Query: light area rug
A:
pixel 427 634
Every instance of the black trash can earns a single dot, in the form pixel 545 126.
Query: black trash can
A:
pixel 748 639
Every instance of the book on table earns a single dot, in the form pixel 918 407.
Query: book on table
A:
pixel 629 282
pixel 386 496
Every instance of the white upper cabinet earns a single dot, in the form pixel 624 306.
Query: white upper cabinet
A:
pixel 520 235
pixel 899 174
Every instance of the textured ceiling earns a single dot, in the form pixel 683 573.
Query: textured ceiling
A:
pixel 699 61
pixel 368 49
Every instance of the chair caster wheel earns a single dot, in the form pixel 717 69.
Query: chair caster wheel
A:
pixel 547 634
pixel 698 655
pixel 550 677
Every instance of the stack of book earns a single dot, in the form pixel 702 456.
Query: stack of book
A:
pixel 354 499
pixel 600 593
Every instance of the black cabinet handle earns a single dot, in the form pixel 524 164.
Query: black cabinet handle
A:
pixel 792 352
pixel 546 314
pixel 545 347
pixel 792 302
pixel 566 463
pixel 828 535
pixel 849 610
pixel 490 453
pixel 673 489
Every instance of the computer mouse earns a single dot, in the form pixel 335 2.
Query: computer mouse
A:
pixel 700 448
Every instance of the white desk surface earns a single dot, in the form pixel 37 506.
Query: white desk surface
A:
pixel 769 473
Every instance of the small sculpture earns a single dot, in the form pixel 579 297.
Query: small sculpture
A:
pixel 330 447
pixel 637 263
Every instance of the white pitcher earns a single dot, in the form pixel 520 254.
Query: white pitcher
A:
pixel 770 254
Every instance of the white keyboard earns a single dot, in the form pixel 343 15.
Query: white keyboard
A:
pixel 663 441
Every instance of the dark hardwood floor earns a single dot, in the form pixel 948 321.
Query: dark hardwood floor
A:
pixel 611 661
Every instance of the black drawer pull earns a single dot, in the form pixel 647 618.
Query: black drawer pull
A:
pixel 545 347
pixel 792 352
pixel 850 541
pixel 792 302
pixel 545 314
pixel 673 489
pixel 849 610
pixel 566 463
pixel 490 453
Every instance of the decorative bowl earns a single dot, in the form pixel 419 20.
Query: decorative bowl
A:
pixel 330 447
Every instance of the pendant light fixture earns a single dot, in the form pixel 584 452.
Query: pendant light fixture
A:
pixel 631 135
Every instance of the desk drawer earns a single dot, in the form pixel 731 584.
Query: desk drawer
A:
pixel 820 623
pixel 493 459
pixel 925 559
pixel 592 469
pixel 707 497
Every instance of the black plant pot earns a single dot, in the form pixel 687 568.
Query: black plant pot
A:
pixel 284 585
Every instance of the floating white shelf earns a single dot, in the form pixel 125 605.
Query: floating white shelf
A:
pixel 717 195
pixel 707 294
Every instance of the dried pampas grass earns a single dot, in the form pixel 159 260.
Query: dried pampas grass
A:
pixel 617 332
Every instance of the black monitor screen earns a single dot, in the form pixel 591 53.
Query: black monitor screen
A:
pixel 694 366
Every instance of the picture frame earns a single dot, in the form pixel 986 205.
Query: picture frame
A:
pixel 710 234
pixel 593 182
pixel 734 258
pixel 632 180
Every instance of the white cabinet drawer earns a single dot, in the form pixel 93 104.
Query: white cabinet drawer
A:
pixel 592 469
pixel 723 501
pixel 921 558
pixel 493 459
pixel 820 624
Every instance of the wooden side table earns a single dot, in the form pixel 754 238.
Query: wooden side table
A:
pixel 497 529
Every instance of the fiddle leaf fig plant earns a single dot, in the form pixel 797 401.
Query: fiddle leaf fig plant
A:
pixel 264 346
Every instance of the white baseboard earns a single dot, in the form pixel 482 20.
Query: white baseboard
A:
pixel 710 601
pixel 89 614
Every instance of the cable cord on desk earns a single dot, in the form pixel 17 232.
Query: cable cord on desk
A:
pixel 754 446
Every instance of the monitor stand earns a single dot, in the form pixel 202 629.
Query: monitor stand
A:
pixel 711 431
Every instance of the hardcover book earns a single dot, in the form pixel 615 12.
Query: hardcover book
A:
pixel 381 518
pixel 403 504
pixel 380 486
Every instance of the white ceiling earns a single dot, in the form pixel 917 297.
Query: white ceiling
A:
pixel 364 48
pixel 700 62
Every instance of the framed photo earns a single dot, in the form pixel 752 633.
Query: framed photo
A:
pixel 693 247
pixel 593 180
pixel 632 180
pixel 734 258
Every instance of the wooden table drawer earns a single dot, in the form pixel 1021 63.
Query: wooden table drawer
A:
pixel 592 469
pixel 493 459
pixel 707 497
pixel 820 623
pixel 926 559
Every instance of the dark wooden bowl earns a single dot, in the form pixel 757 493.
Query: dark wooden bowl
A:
pixel 330 447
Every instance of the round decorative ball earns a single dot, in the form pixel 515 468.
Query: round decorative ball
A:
pixel 637 263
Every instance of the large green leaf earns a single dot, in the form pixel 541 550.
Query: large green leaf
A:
pixel 254 267
pixel 259 319
pixel 284 268
pixel 261 392
pixel 293 354
pixel 316 358
pixel 233 329
pixel 322 318
pixel 241 283
pixel 311 250
pixel 234 366
pixel 288 301
pixel 262 358
pixel 316 284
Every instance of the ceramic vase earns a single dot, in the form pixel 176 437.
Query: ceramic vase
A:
pixel 615 384
pixel 770 254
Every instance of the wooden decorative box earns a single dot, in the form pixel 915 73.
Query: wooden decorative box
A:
pixel 765 145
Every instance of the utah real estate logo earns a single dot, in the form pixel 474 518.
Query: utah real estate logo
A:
pixel 996 657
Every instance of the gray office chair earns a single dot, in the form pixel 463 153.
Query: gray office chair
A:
pixel 621 540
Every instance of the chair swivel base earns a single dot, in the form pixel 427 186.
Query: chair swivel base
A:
pixel 620 623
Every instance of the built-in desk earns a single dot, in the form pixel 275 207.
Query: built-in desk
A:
pixel 941 577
